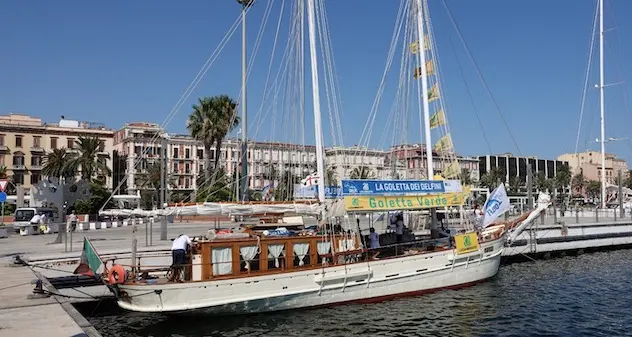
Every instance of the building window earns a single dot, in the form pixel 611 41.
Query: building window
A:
pixel 201 168
pixel 18 141
pixel 36 161
pixel 35 178
pixel 53 143
pixel 102 146
pixel 70 143
pixel 187 168
pixel 1 140
pixel 18 178
pixel 175 167
pixel 187 153
pixel 18 159
pixel 37 141
pixel 2 160
pixel 200 153
pixel 175 152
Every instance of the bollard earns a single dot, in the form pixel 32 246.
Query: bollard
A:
pixel 576 215
pixel 597 214
pixel 70 241
pixel 151 232
pixel 65 237
pixel 146 234
pixel 615 216
pixel 163 228
pixel 542 218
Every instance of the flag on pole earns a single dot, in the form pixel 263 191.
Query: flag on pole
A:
pixel 267 194
pixel 310 180
pixel 90 263
pixel 496 205
pixel 429 70
pixel 437 119
pixel 444 144
pixel 433 93
pixel 414 47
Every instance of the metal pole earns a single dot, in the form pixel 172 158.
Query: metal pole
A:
pixel 163 228
pixel 134 244
pixel 70 241
pixel 529 186
pixel 151 232
pixel 602 105
pixel 146 234
pixel 161 192
pixel 620 183
pixel 244 120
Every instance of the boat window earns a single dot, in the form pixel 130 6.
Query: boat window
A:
pixel 324 248
pixel 249 258
pixel 276 256
pixel 222 261
pixel 301 254
pixel 24 214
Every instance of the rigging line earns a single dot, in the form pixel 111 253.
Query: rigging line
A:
pixel 376 102
pixel 471 97
pixel 480 75
pixel 211 59
pixel 327 70
pixel 259 38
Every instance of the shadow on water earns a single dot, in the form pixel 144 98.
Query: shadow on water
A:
pixel 576 296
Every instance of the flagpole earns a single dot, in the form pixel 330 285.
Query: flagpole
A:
pixel 602 107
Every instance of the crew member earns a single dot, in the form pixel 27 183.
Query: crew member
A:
pixel 179 255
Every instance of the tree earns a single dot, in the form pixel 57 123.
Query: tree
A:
pixel 514 185
pixel 90 162
pixel 593 188
pixel 466 177
pixel 361 172
pixel 285 190
pixel 220 190
pixel 493 178
pixel 212 119
pixel 150 180
pixel 579 183
pixel 58 164
pixel 542 183
pixel 562 179
pixel 627 181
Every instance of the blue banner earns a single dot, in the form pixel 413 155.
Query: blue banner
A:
pixel 392 187
pixel 311 192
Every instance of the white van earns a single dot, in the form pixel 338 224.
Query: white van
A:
pixel 23 216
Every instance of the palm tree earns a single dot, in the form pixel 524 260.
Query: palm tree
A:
pixel 466 177
pixel 150 180
pixel 212 119
pixel 593 188
pixel 492 178
pixel 579 183
pixel 58 164
pixel 543 184
pixel 361 172
pixel 89 161
pixel 285 190
pixel 562 179
pixel 514 185
pixel 220 190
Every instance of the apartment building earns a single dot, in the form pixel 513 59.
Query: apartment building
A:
pixel 589 163
pixel 410 162
pixel 344 160
pixel 517 166
pixel 25 140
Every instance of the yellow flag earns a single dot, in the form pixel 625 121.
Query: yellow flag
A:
pixel 452 171
pixel 414 47
pixel 433 94
pixel 437 119
pixel 429 70
pixel 444 144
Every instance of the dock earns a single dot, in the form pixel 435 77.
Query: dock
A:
pixel 24 314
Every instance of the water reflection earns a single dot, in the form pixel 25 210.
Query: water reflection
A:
pixel 575 296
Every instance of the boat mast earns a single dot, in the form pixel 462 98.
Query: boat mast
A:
pixel 602 104
pixel 245 4
pixel 424 88
pixel 311 24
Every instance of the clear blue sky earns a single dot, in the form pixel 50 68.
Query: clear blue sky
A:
pixel 122 61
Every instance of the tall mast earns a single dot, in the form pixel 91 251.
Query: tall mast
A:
pixel 602 103
pixel 311 23
pixel 424 87
pixel 244 121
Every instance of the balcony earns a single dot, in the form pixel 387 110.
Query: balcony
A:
pixel 18 167
pixel 37 167
pixel 4 148
pixel 37 148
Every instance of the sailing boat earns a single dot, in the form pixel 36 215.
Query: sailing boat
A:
pixel 262 271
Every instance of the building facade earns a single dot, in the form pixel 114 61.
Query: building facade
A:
pixel 346 162
pixel 410 162
pixel 589 163
pixel 517 166
pixel 25 141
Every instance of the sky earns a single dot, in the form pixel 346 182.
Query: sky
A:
pixel 123 61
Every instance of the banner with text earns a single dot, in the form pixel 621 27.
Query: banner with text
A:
pixel 391 203
pixel 311 192
pixel 399 187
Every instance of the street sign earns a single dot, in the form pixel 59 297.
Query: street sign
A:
pixel 3 185
pixel 3 197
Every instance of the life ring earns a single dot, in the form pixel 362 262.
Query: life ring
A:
pixel 116 275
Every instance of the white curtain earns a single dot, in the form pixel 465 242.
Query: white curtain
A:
pixel 274 251
pixel 248 253
pixel 301 250
pixel 222 260
pixel 324 247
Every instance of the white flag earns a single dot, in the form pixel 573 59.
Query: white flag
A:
pixel 310 180
pixel 496 205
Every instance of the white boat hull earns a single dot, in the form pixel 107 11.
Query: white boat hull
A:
pixel 372 281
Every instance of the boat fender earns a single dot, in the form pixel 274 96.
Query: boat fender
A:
pixel 116 275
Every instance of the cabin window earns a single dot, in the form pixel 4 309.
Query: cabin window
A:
pixel 324 248
pixel 301 254
pixel 276 256
pixel 249 258
pixel 222 260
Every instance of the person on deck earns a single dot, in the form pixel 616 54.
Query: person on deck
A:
pixel 399 228
pixel 478 218
pixel 375 241
pixel 179 255
pixel 72 218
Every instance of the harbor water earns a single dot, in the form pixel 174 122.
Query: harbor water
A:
pixel 587 295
